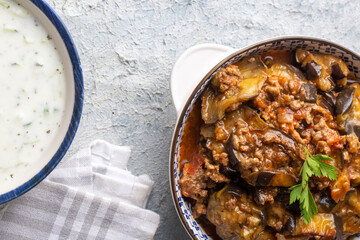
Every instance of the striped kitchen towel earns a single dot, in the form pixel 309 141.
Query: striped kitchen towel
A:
pixel 90 196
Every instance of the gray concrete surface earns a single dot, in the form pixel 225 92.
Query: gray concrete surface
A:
pixel 128 47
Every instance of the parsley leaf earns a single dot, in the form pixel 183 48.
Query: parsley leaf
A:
pixel 328 171
pixel 307 205
pixel 295 193
pixel 313 166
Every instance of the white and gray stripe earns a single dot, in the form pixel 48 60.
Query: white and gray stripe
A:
pixel 79 215
pixel 84 201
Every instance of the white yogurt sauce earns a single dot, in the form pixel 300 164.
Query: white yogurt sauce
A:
pixel 32 90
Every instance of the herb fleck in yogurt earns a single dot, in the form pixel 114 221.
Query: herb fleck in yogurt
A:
pixel 32 92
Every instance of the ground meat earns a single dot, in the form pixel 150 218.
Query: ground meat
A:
pixel 231 214
pixel 323 147
pixel 220 131
pixel 320 113
pixel 227 78
pixel 286 98
pixel 265 195
pixel 221 158
pixel 198 209
pixel 287 113
pixel 258 153
pixel 341 186
pixel 212 172
pixel 324 133
pixel 231 204
pixel 242 137
pixel 272 91
pixel 319 183
pixel 265 150
pixel 346 155
pixel 296 105
pixel 353 168
pixel 351 156
pixel 194 186
pixel 293 87
pixel 252 164
pixel 277 216
pixel 218 151
pixel 352 143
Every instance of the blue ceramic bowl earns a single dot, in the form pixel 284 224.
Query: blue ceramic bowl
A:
pixel 74 99
pixel 289 43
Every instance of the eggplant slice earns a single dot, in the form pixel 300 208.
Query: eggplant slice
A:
pixel 309 93
pixel 229 89
pixel 348 109
pixel 344 100
pixel 322 69
pixel 277 149
pixel 246 223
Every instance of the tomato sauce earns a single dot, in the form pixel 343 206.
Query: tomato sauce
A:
pixel 191 136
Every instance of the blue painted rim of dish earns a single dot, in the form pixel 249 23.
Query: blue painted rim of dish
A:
pixel 78 104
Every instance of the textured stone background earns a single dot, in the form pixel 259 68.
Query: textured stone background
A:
pixel 128 47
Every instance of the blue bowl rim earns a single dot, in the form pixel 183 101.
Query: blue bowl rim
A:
pixel 180 119
pixel 78 104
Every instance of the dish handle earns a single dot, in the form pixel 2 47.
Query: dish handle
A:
pixel 191 67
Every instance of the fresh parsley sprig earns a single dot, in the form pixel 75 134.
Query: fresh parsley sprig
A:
pixel 313 165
